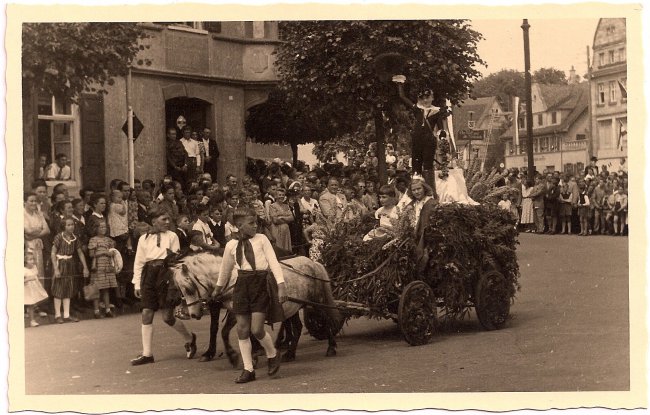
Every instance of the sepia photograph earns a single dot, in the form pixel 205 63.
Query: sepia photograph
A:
pixel 347 207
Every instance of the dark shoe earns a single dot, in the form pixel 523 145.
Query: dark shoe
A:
pixel 274 364
pixel 98 314
pixel 71 320
pixel 142 360
pixel 190 348
pixel 109 314
pixel 59 320
pixel 245 377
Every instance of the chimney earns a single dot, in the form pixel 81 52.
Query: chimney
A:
pixel 572 75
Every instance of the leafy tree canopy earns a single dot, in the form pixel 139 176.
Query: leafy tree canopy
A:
pixel 550 76
pixel 502 84
pixel 66 59
pixel 327 68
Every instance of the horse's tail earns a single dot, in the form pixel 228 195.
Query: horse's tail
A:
pixel 333 314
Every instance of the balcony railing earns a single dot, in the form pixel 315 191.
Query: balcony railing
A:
pixel 565 146
pixel 574 145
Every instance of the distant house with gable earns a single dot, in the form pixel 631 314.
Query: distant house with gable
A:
pixel 560 129
pixel 477 125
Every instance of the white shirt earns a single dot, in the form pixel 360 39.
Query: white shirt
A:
pixel 310 205
pixel 191 146
pixel 264 259
pixel 53 172
pixel 204 229
pixel 148 250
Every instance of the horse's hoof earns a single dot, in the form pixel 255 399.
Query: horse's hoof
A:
pixel 288 357
pixel 330 352
pixel 206 357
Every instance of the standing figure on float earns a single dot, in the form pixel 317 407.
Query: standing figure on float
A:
pixel 428 122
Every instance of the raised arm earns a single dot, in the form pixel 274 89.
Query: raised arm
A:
pixel 402 96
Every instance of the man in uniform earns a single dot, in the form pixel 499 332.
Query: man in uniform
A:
pixel 152 284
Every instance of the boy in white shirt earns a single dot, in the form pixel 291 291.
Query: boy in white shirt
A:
pixel 385 214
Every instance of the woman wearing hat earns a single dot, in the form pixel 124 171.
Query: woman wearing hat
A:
pixel 428 120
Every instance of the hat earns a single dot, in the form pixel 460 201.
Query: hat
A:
pixel 594 158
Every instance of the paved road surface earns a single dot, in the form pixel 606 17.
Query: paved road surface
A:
pixel 569 332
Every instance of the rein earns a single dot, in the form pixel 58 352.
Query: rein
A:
pixel 302 273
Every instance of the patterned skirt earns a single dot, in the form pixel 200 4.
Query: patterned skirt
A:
pixel 104 274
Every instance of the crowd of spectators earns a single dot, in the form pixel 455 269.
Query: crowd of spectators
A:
pixel 593 202
pixel 71 241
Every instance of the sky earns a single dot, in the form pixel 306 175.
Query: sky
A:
pixel 557 43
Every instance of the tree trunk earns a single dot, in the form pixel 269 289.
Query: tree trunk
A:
pixel 294 152
pixel 30 134
pixel 381 151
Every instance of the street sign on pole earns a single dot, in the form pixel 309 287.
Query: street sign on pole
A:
pixel 471 134
pixel 137 127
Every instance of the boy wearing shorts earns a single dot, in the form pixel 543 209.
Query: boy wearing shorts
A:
pixel 253 257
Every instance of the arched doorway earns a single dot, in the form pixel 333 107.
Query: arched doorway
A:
pixel 196 112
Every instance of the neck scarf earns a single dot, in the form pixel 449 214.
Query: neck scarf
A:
pixel 245 250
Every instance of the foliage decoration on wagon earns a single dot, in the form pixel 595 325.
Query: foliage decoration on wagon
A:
pixel 464 241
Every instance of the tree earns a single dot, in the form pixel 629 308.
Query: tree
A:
pixel 327 68
pixel 275 121
pixel 550 76
pixel 502 84
pixel 67 59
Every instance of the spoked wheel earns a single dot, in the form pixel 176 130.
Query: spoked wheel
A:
pixel 417 313
pixel 492 300
pixel 316 322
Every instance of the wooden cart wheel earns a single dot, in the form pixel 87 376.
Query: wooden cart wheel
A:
pixel 492 300
pixel 316 323
pixel 417 313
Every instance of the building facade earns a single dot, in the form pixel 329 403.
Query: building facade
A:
pixel 208 72
pixel 560 129
pixel 477 125
pixel 608 92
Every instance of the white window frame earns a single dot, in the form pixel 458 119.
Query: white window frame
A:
pixel 540 120
pixel 601 59
pixel 74 158
pixel 601 93
pixel 554 117
pixel 612 91
pixel 611 56
pixel 622 57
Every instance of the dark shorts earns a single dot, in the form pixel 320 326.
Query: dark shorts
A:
pixel 157 289
pixel 251 293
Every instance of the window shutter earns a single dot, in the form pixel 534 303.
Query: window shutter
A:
pixel 92 141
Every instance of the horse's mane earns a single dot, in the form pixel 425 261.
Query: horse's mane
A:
pixel 203 266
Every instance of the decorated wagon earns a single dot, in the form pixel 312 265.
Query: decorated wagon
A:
pixel 472 263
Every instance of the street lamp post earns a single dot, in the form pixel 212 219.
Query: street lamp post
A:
pixel 529 102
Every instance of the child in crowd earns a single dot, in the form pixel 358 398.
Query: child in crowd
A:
pixel 385 214
pixel 620 210
pixel 506 204
pixel 34 291
pixel 565 208
pixel 103 271
pixel 183 228
pixel 608 212
pixel 65 246
pixel 583 209
pixel 207 243
pixel 218 226
pixel 252 256
pixel 527 212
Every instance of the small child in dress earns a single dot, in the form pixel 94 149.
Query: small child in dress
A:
pixel 385 214
pixel 253 257
pixel 103 270
pixel 34 291
pixel 64 248
pixel 583 209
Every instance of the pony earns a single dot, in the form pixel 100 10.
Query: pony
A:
pixel 306 282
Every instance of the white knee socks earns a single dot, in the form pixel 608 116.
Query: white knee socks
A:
pixel 57 307
pixel 66 308
pixel 267 344
pixel 147 338
pixel 246 350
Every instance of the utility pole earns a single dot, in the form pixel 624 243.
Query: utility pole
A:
pixel 590 143
pixel 529 103
pixel 129 119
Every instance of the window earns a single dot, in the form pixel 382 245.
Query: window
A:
pixel 57 123
pixel 540 119
pixel 258 30
pixel 522 122
pixel 581 137
pixel 612 91
pixel 612 56
pixel 601 93
pixel 211 27
pixel 605 135
pixel 568 168
pixel 601 59
pixel 624 83
pixel 621 55
pixel 554 117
